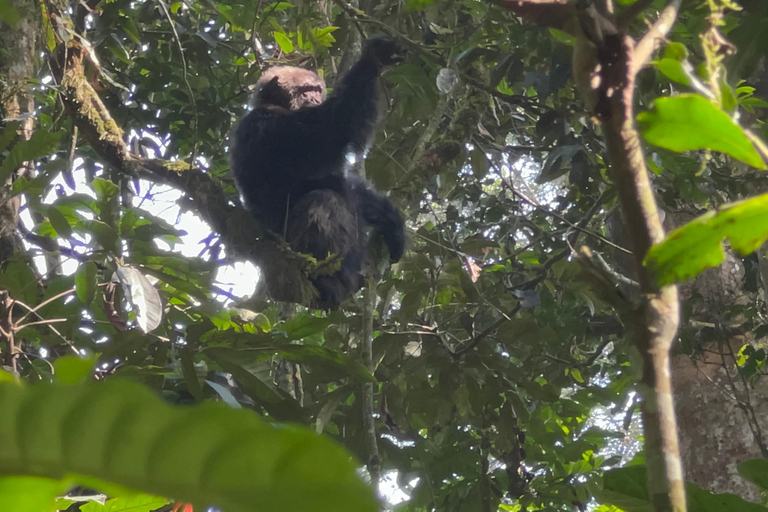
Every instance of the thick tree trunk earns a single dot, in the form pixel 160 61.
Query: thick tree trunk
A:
pixel 716 432
pixel 17 66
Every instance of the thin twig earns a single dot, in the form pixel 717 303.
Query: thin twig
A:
pixel 42 304
pixel 18 327
pixel 67 342
pixel 544 209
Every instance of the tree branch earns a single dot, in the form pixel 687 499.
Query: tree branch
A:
pixel 618 60
pixel 240 232
pixel 658 31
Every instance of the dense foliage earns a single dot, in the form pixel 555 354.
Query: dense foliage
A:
pixel 504 378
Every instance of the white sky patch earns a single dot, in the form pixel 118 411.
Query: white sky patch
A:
pixel 238 278
pixel 393 493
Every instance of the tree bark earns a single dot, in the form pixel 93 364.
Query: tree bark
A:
pixel 17 66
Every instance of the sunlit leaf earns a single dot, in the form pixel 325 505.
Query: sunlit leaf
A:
pixel 143 296
pixel 689 122
pixel 140 503
pixel 282 40
pixel 699 244
pixel 673 69
pixel 29 493
pixel 59 222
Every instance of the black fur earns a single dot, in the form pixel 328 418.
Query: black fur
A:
pixel 289 158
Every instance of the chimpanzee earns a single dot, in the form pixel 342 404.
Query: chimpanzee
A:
pixel 292 157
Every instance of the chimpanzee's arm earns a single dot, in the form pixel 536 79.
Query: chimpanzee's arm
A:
pixel 312 142
pixel 379 213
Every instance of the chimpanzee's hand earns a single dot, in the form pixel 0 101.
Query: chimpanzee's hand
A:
pixel 384 49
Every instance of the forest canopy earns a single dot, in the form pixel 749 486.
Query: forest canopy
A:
pixel 578 322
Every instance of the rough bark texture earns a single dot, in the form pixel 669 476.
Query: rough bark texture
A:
pixel 659 310
pixel 17 66
pixel 721 422
pixel 715 433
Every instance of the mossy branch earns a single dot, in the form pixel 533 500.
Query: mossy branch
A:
pixel 244 238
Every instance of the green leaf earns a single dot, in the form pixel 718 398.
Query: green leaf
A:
pixel 226 12
pixel 701 500
pixel 322 356
pixel 29 493
pixel 563 37
pixel 479 163
pixel 120 432
pixel 9 132
pixel 282 40
pixel 627 489
pixel 553 166
pixel 139 503
pixel 697 245
pixel 260 388
pixel 40 144
pixel 59 223
pixel 73 369
pixel 189 373
pixel 9 13
pixel 689 122
pixel 676 51
pixel 306 325
pixel 756 471
pixel 20 282
pixel 105 234
pixel 324 36
pixel 673 69
pixel 86 283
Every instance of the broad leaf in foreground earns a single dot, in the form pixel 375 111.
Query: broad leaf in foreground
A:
pixel 698 245
pixel 120 432
pixel 627 489
pixel 690 122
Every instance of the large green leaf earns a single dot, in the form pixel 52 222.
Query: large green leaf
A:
pixel 120 432
pixel 8 13
pixel 40 144
pixel 689 122
pixel 29 493
pixel 756 471
pixel 626 488
pixel 698 245
pixel 140 503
